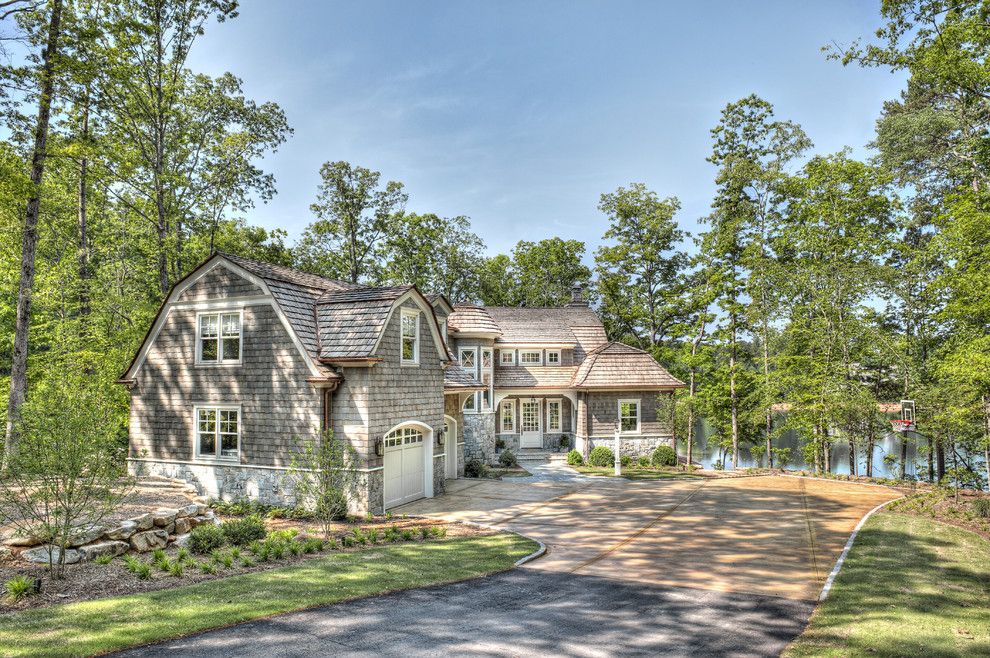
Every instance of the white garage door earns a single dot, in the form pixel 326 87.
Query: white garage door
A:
pixel 404 481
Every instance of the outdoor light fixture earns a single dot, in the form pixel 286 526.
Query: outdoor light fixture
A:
pixel 440 437
pixel 380 447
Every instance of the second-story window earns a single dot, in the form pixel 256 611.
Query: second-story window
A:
pixel 218 338
pixel 468 360
pixel 529 358
pixel 553 358
pixel 507 357
pixel 410 336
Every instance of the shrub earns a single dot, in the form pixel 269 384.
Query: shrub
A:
pixel 601 456
pixel 407 535
pixel 564 443
pixel 499 443
pixel 373 535
pixel 247 562
pixel 508 459
pixel 132 563
pixel 664 456
pixel 424 531
pixel 207 567
pixel 295 547
pixel 475 468
pixel 574 458
pixel 324 472
pixel 19 587
pixel 176 569
pixel 643 461
pixel 625 460
pixel 206 538
pixel 981 508
pixel 244 531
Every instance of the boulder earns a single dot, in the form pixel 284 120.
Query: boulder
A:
pixel 85 535
pixel 144 522
pixel 39 555
pixel 111 548
pixel 163 517
pixel 182 541
pixel 149 540
pixel 5 554
pixel 188 510
pixel 182 526
pixel 124 531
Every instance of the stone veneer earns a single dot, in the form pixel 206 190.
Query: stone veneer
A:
pixel 479 436
pixel 634 446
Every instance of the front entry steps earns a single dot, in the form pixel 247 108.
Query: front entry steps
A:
pixel 535 454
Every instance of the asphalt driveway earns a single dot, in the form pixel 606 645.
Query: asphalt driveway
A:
pixel 682 567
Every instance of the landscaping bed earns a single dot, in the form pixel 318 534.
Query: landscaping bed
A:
pixel 645 472
pixel 967 511
pixel 910 586
pixel 119 576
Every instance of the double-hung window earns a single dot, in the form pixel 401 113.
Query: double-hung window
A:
pixel 218 338
pixel 530 358
pixel 553 415
pixel 508 417
pixel 629 416
pixel 218 432
pixel 410 337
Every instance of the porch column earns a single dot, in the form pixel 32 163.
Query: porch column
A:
pixel 581 431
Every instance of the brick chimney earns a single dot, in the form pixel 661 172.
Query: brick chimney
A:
pixel 577 295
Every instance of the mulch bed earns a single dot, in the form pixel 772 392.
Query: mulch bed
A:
pixel 89 581
pixel 944 508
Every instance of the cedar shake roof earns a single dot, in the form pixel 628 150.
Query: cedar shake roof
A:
pixel 534 377
pixel 542 325
pixel 616 365
pixel 456 378
pixel 467 319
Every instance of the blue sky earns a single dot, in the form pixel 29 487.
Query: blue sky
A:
pixel 521 114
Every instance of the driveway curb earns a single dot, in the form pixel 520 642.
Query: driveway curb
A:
pixel 845 550
pixel 538 553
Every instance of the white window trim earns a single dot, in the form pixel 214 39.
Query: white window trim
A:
pixel 474 398
pixel 539 357
pixel 406 313
pixel 460 359
pixel 195 432
pixel 511 406
pixel 557 352
pixel 220 362
pixel 560 415
pixel 504 353
pixel 639 414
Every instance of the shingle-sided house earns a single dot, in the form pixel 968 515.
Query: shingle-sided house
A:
pixel 246 360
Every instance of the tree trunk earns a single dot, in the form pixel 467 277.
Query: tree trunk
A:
pixel 939 459
pixel 852 457
pixel 732 397
pixel 83 191
pixel 870 447
pixel 986 437
pixel 902 473
pixel 29 243
pixel 931 460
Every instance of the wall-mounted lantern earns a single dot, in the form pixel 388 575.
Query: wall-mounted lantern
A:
pixel 440 437
pixel 380 447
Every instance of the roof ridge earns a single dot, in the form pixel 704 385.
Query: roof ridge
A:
pixel 274 267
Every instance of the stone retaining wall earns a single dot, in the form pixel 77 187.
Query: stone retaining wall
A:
pixel 634 446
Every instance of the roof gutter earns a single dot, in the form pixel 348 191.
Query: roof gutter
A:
pixel 351 360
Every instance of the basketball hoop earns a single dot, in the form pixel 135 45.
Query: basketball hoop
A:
pixel 902 425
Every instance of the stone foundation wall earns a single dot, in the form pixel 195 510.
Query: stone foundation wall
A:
pixel 439 474
pixel 635 446
pixel 479 437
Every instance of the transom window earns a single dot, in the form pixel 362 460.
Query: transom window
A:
pixel 410 336
pixel 403 436
pixel 553 415
pixel 218 432
pixel 508 417
pixel 553 358
pixel 507 357
pixel 528 358
pixel 629 416
pixel 218 338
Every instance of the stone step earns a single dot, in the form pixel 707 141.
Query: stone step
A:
pixel 531 454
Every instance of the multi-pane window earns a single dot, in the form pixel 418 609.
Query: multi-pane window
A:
pixel 486 395
pixel 553 415
pixel 468 359
pixel 507 357
pixel 410 337
pixel 218 432
pixel 219 338
pixel 403 435
pixel 553 358
pixel 486 359
pixel 529 358
pixel 508 417
pixel 629 416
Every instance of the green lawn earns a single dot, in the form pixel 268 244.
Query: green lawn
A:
pixel 78 629
pixel 637 473
pixel 909 587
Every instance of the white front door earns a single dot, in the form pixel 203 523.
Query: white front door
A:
pixel 529 416
pixel 404 470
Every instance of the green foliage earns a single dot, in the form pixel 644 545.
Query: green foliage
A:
pixel 19 587
pixel 248 507
pixel 508 459
pixel 104 560
pixel 781 456
pixel 575 458
pixel 601 456
pixel 240 532
pixel 475 468
pixel 537 274
pixel 206 538
pixel 643 461
pixel 323 474
pixel 664 456
pixel 981 508
pixel 625 460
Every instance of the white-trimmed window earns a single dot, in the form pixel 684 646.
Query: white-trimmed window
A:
pixel 486 358
pixel 218 338
pixel 629 416
pixel 403 435
pixel 530 358
pixel 218 432
pixel 508 417
pixel 553 415
pixel 553 357
pixel 507 357
pixel 410 336
pixel 469 404
pixel 469 359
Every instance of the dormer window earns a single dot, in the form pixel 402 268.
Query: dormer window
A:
pixel 553 357
pixel 410 337
pixel 530 358
pixel 218 338
pixel 507 357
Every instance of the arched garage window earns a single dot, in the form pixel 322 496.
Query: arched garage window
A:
pixel 403 436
